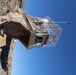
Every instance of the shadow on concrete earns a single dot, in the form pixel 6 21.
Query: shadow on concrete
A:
pixel 4 55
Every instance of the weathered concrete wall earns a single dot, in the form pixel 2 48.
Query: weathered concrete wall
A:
pixel 6 54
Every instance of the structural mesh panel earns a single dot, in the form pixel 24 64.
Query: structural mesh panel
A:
pixel 54 31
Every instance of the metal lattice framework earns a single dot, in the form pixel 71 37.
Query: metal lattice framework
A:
pixel 45 26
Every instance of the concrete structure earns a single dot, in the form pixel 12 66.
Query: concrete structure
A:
pixel 6 54
pixel 31 31
pixel 6 42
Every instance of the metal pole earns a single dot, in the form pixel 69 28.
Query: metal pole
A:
pixel 61 23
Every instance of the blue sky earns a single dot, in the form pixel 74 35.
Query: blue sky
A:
pixel 58 60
